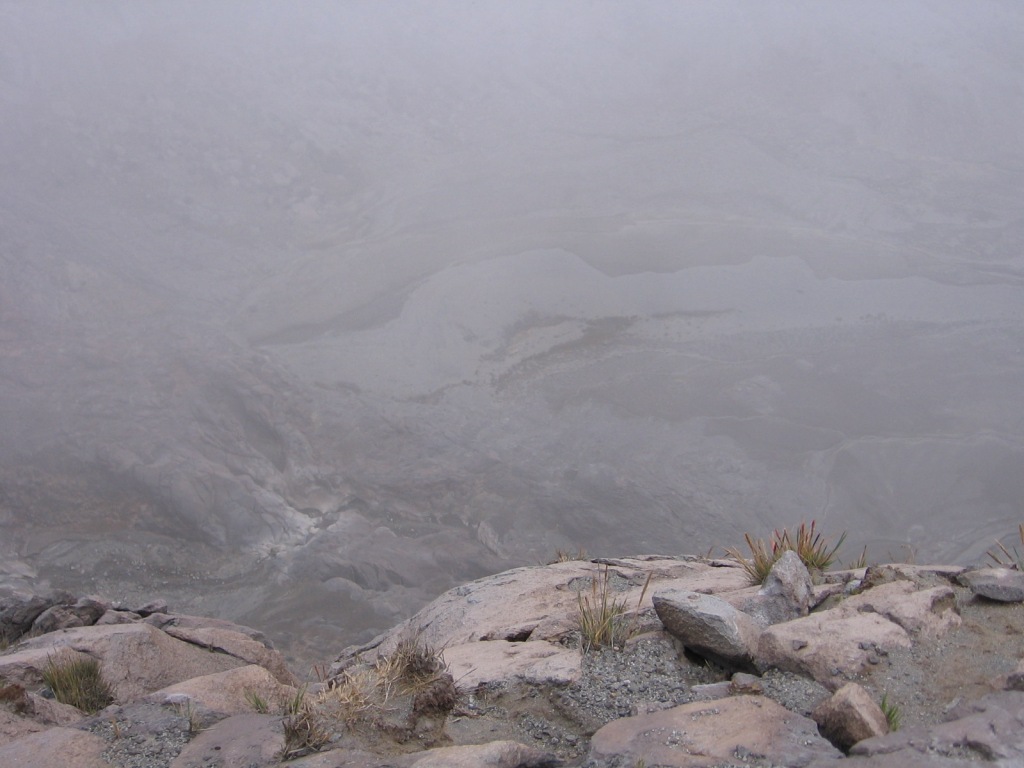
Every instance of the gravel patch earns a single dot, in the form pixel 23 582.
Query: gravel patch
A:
pixel 141 735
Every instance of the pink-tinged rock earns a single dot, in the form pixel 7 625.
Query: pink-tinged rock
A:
pixel 55 748
pixel 829 647
pixel 232 643
pixel 253 741
pixel 541 602
pixel 497 661
pixel 702 734
pixel 14 726
pixel 495 754
pixel 709 626
pixel 849 716
pixel 135 659
pixel 927 612
pixel 228 693
pixel 1001 584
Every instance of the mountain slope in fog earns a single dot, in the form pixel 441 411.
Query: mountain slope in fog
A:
pixel 338 305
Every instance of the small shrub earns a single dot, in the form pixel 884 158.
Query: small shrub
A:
pixel 1009 557
pixel 893 713
pixel 600 616
pixel 810 545
pixel 78 682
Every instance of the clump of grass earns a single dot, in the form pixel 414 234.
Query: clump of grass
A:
pixel 566 556
pixel 813 549
pixel 1009 557
pixel 77 681
pixel 413 664
pixel 304 731
pixel 893 713
pixel 257 702
pixel 600 617
pixel 188 711
pixel 861 561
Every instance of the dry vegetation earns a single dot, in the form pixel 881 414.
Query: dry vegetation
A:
pixel 814 550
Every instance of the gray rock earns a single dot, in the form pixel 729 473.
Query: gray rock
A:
pixel 785 594
pixel 709 626
pixel 84 613
pixel 18 610
pixel 1001 584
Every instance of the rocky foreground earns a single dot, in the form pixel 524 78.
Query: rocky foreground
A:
pixel 705 670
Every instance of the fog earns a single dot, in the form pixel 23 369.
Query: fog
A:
pixel 310 311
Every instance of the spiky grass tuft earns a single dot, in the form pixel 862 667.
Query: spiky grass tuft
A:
pixel 1009 557
pixel 811 546
pixel 77 681
pixel 601 618
pixel 893 713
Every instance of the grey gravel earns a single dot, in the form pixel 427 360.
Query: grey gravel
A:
pixel 141 735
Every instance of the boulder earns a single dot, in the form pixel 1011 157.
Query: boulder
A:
pixel 929 612
pixel 228 693
pixel 785 594
pixel 500 661
pixel 709 626
pixel 19 609
pixel 712 733
pixel 85 612
pixel 541 602
pixel 829 647
pixel 1001 584
pixel 55 748
pixel 849 716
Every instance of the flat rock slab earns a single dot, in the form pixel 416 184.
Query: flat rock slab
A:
pixel 829 647
pixel 229 692
pixel 496 754
pixel 992 728
pixel 709 626
pixel 1000 584
pixel 55 748
pixel 135 659
pixel 253 741
pixel 500 661
pixel 233 643
pixel 704 734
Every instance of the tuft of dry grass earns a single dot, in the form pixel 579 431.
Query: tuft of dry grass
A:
pixel 1009 557
pixel 304 730
pixel 566 556
pixel 78 682
pixel 813 549
pixel 600 617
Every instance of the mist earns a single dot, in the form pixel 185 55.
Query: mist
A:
pixel 310 311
